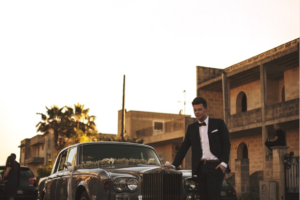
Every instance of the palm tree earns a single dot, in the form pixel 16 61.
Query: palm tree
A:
pixel 65 123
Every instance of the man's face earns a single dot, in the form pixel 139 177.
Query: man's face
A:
pixel 200 112
pixel 275 126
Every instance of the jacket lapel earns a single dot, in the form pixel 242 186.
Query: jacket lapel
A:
pixel 197 134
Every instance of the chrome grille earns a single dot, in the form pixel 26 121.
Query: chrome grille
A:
pixel 161 186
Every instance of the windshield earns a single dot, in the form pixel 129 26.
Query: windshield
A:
pixel 98 152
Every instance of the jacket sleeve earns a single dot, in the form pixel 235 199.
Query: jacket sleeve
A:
pixel 183 149
pixel 225 143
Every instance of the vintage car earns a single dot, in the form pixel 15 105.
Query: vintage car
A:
pixel 115 171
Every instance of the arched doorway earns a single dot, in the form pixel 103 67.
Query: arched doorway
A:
pixel 242 151
pixel 241 102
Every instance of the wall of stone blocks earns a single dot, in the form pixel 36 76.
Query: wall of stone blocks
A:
pixel 292 141
pixel 255 151
pixel 291 82
pixel 273 92
pixel 137 120
pixel 214 102
pixel 253 94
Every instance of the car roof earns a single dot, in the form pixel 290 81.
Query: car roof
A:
pixel 22 167
pixel 109 142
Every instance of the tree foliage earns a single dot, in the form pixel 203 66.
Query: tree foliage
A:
pixel 119 139
pixel 67 124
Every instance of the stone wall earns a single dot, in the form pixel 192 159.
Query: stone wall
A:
pixel 244 118
pixel 214 102
pixel 284 109
pixel 207 73
pixel 253 94
pixel 273 92
pixel 138 120
pixel 271 54
pixel 255 153
pixel 291 82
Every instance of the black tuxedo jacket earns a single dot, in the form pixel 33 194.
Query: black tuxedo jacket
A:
pixel 218 141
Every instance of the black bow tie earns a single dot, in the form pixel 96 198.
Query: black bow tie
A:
pixel 202 124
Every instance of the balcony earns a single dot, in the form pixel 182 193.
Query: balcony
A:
pixel 34 160
pixel 244 118
pixel 282 110
pixel 37 140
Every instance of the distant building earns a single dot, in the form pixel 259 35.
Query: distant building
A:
pixel 163 131
pixel 32 152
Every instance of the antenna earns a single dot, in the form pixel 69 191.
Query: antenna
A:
pixel 184 102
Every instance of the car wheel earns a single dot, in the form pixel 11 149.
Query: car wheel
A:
pixel 84 196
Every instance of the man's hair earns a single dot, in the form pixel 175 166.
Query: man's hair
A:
pixel 199 100
pixel 13 156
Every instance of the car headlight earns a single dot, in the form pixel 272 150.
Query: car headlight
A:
pixel 132 184
pixel 122 184
pixel 190 185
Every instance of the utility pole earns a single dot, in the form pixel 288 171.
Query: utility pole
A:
pixel 123 111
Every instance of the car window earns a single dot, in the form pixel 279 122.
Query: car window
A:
pixel 25 172
pixel 62 161
pixel 72 157
pixel 92 153
pixel 2 170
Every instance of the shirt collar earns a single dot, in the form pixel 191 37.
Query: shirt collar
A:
pixel 206 120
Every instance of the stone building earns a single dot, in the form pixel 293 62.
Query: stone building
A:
pixel 32 152
pixel 251 96
pixel 163 131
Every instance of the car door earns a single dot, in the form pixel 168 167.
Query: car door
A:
pixel 51 183
pixel 65 175
pixel 60 173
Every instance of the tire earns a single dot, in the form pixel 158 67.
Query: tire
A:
pixel 84 196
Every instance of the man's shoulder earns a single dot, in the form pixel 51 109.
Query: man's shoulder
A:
pixel 216 120
pixel 193 124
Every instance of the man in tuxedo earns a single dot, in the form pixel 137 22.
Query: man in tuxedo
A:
pixel 209 139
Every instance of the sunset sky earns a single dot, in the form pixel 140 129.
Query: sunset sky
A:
pixel 69 52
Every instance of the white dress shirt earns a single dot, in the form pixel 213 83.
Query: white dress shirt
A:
pixel 206 154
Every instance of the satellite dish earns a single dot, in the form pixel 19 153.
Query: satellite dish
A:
pixel 180 112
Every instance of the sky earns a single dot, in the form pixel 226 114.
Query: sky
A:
pixel 68 52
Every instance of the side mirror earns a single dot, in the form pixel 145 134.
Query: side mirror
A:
pixel 68 166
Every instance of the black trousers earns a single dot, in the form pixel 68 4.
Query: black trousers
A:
pixel 209 181
pixel 272 144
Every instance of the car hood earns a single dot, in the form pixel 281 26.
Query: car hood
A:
pixel 139 170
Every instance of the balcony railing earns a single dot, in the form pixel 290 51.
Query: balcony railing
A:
pixel 284 109
pixel 168 127
pixel 244 118
pixel 34 160
pixel 36 140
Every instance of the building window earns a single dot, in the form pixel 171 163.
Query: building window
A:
pixel 241 102
pixel 158 127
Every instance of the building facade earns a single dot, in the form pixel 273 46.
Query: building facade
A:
pixel 251 96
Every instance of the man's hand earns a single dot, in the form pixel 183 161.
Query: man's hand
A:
pixel 168 165
pixel 222 168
